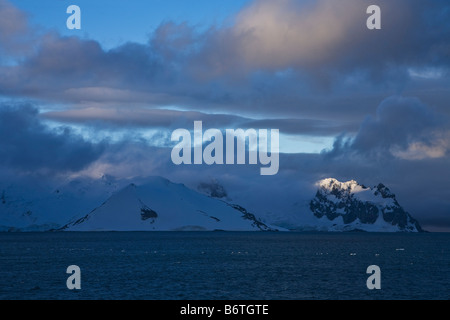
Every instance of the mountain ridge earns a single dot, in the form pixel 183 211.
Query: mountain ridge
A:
pixel 162 205
pixel 157 204
pixel 361 207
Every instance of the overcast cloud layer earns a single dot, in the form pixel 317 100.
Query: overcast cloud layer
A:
pixel 308 68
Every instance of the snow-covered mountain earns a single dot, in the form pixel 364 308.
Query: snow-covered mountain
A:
pixel 160 205
pixel 33 206
pixel 344 206
pixel 156 204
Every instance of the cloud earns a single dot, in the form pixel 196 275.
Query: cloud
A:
pixel 281 34
pixel 142 118
pixel 327 38
pixel 66 68
pixel 15 33
pixel 403 127
pixel 310 59
pixel 309 127
pixel 27 146
pixel 129 118
pixel 420 151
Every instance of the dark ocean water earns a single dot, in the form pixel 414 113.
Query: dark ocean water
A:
pixel 224 265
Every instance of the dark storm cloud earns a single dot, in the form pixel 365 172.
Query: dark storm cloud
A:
pixel 327 64
pixel 27 146
pixel 71 69
pixel 403 127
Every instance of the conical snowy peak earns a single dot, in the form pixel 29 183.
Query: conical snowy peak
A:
pixel 160 205
pixel 351 206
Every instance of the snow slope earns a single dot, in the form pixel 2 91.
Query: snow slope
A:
pixel 31 206
pixel 160 205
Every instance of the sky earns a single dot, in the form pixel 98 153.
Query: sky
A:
pixel 113 23
pixel 350 103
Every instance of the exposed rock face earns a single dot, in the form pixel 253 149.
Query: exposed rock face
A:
pixel 359 205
